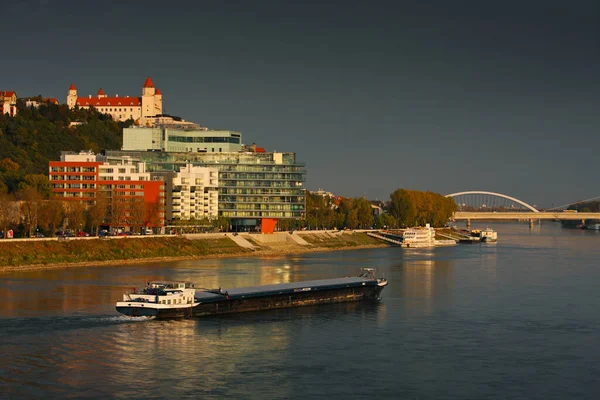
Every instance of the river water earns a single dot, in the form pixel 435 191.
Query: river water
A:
pixel 519 319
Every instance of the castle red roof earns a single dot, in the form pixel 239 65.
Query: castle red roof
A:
pixel 148 82
pixel 100 92
pixel 109 101
pixel 157 91
pixel 7 93
pixel 72 87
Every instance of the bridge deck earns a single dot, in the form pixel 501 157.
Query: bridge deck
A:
pixel 557 215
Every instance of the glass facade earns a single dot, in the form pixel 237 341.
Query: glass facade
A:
pixel 251 185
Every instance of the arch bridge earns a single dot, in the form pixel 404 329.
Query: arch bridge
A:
pixel 484 205
pixel 485 198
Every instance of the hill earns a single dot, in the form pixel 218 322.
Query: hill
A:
pixel 38 135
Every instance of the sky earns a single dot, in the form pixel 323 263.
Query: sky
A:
pixel 445 96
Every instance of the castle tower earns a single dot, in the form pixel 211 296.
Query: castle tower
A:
pixel 72 97
pixel 148 99
pixel 101 94
pixel 158 102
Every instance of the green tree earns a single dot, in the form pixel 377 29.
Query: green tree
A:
pixel 385 220
pixel 402 208
pixel 364 213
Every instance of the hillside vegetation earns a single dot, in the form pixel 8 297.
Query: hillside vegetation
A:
pixel 38 135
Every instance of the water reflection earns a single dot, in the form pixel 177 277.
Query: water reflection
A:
pixel 529 300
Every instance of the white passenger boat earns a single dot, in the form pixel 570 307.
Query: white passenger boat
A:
pixel 488 235
pixel 419 237
pixel 593 227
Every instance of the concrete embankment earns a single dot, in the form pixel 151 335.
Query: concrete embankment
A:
pixel 24 254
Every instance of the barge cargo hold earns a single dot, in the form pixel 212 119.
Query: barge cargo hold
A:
pixel 182 300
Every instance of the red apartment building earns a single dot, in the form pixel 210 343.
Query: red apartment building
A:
pixel 124 181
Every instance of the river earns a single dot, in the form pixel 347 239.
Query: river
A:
pixel 519 319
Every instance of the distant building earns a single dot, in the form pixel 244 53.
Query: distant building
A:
pixel 8 100
pixel 124 181
pixel 193 139
pixel 140 109
pixel 36 104
pixel 322 193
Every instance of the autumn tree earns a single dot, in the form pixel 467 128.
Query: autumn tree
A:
pixel 118 210
pixel 9 213
pixel 30 201
pixel 51 214
pixel 154 214
pixel 98 212
pixel 136 212
pixel 75 215
pixel 411 207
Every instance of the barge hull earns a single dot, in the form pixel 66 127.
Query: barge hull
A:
pixel 297 299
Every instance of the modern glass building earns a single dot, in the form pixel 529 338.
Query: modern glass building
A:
pixel 255 188
pixel 193 139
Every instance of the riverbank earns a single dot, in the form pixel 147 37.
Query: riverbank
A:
pixel 45 254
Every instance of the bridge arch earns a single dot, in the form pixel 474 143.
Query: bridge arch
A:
pixel 494 194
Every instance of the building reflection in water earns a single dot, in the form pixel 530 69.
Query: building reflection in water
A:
pixel 488 261
pixel 424 280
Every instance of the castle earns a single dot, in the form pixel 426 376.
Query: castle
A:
pixel 140 109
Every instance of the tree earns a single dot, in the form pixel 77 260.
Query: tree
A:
pixel 352 219
pixel 51 214
pixel 75 215
pixel 8 211
pixel 402 208
pixel 98 212
pixel 154 214
pixel 118 210
pixel 30 199
pixel 364 213
pixel 136 213
pixel 385 220
pixel 38 181
pixel 410 207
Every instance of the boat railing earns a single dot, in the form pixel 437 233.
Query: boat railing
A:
pixel 368 273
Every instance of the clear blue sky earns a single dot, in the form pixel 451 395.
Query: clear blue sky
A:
pixel 372 95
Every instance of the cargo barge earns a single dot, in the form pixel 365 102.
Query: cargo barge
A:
pixel 166 300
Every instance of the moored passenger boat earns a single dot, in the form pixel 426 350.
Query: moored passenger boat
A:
pixel 488 235
pixel 175 302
